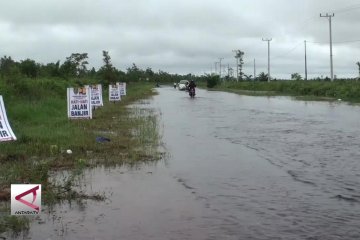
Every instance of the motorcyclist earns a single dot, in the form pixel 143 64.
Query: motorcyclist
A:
pixel 174 85
pixel 191 84
pixel 192 87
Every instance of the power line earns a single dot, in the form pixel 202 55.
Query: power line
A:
pixel 340 10
pixel 298 44
pixel 350 41
pixel 288 52
pixel 337 11
pixel 306 24
pixel 347 9
pixel 339 42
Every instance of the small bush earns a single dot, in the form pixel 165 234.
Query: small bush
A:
pixel 212 80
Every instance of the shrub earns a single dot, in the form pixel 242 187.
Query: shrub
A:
pixel 212 80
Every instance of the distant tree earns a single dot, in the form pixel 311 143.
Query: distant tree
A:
pixel 263 77
pixel 92 72
pixel 134 69
pixel 212 80
pixel 230 73
pixel 107 60
pixel 239 55
pixel 149 72
pixel 107 72
pixel 296 76
pixel 75 65
pixel 162 76
pixel 134 73
pixel 248 77
pixel 81 60
pixel 50 70
pixel 7 66
pixel 68 69
pixel 29 68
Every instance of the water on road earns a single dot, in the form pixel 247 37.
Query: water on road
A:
pixel 239 167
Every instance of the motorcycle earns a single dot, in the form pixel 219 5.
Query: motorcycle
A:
pixel 192 92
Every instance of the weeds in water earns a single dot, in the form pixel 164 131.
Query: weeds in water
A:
pixel 14 225
pixel 147 132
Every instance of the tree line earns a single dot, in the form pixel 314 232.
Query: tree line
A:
pixel 76 66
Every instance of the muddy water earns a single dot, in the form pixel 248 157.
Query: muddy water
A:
pixel 240 167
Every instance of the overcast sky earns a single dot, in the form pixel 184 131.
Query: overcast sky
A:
pixel 186 36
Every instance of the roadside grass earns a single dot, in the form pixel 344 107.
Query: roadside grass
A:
pixel 347 90
pixel 44 134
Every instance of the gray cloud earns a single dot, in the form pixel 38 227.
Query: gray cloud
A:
pixel 184 36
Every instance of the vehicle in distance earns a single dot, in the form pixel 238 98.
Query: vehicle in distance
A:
pixel 183 84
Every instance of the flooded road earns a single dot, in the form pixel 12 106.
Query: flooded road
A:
pixel 239 167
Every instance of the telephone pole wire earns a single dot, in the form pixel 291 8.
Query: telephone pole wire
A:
pixel 329 16
pixel 268 40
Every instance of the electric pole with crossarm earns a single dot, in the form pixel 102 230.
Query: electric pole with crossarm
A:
pixel 268 40
pixel 329 16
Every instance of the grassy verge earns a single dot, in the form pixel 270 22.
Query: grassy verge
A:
pixel 310 90
pixel 44 134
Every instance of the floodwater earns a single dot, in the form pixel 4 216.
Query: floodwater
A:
pixel 239 167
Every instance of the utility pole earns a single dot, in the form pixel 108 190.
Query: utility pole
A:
pixel 237 64
pixel 305 62
pixel 268 40
pixel 237 69
pixel 329 16
pixel 229 71
pixel 220 66
pixel 254 70
pixel 215 66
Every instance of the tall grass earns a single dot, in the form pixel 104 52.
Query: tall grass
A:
pixel 348 90
pixel 39 119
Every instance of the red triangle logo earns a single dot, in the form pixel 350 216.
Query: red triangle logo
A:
pixel 29 204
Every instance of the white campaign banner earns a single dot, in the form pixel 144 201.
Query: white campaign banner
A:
pixel 79 103
pixel 6 133
pixel 96 95
pixel 122 86
pixel 114 93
